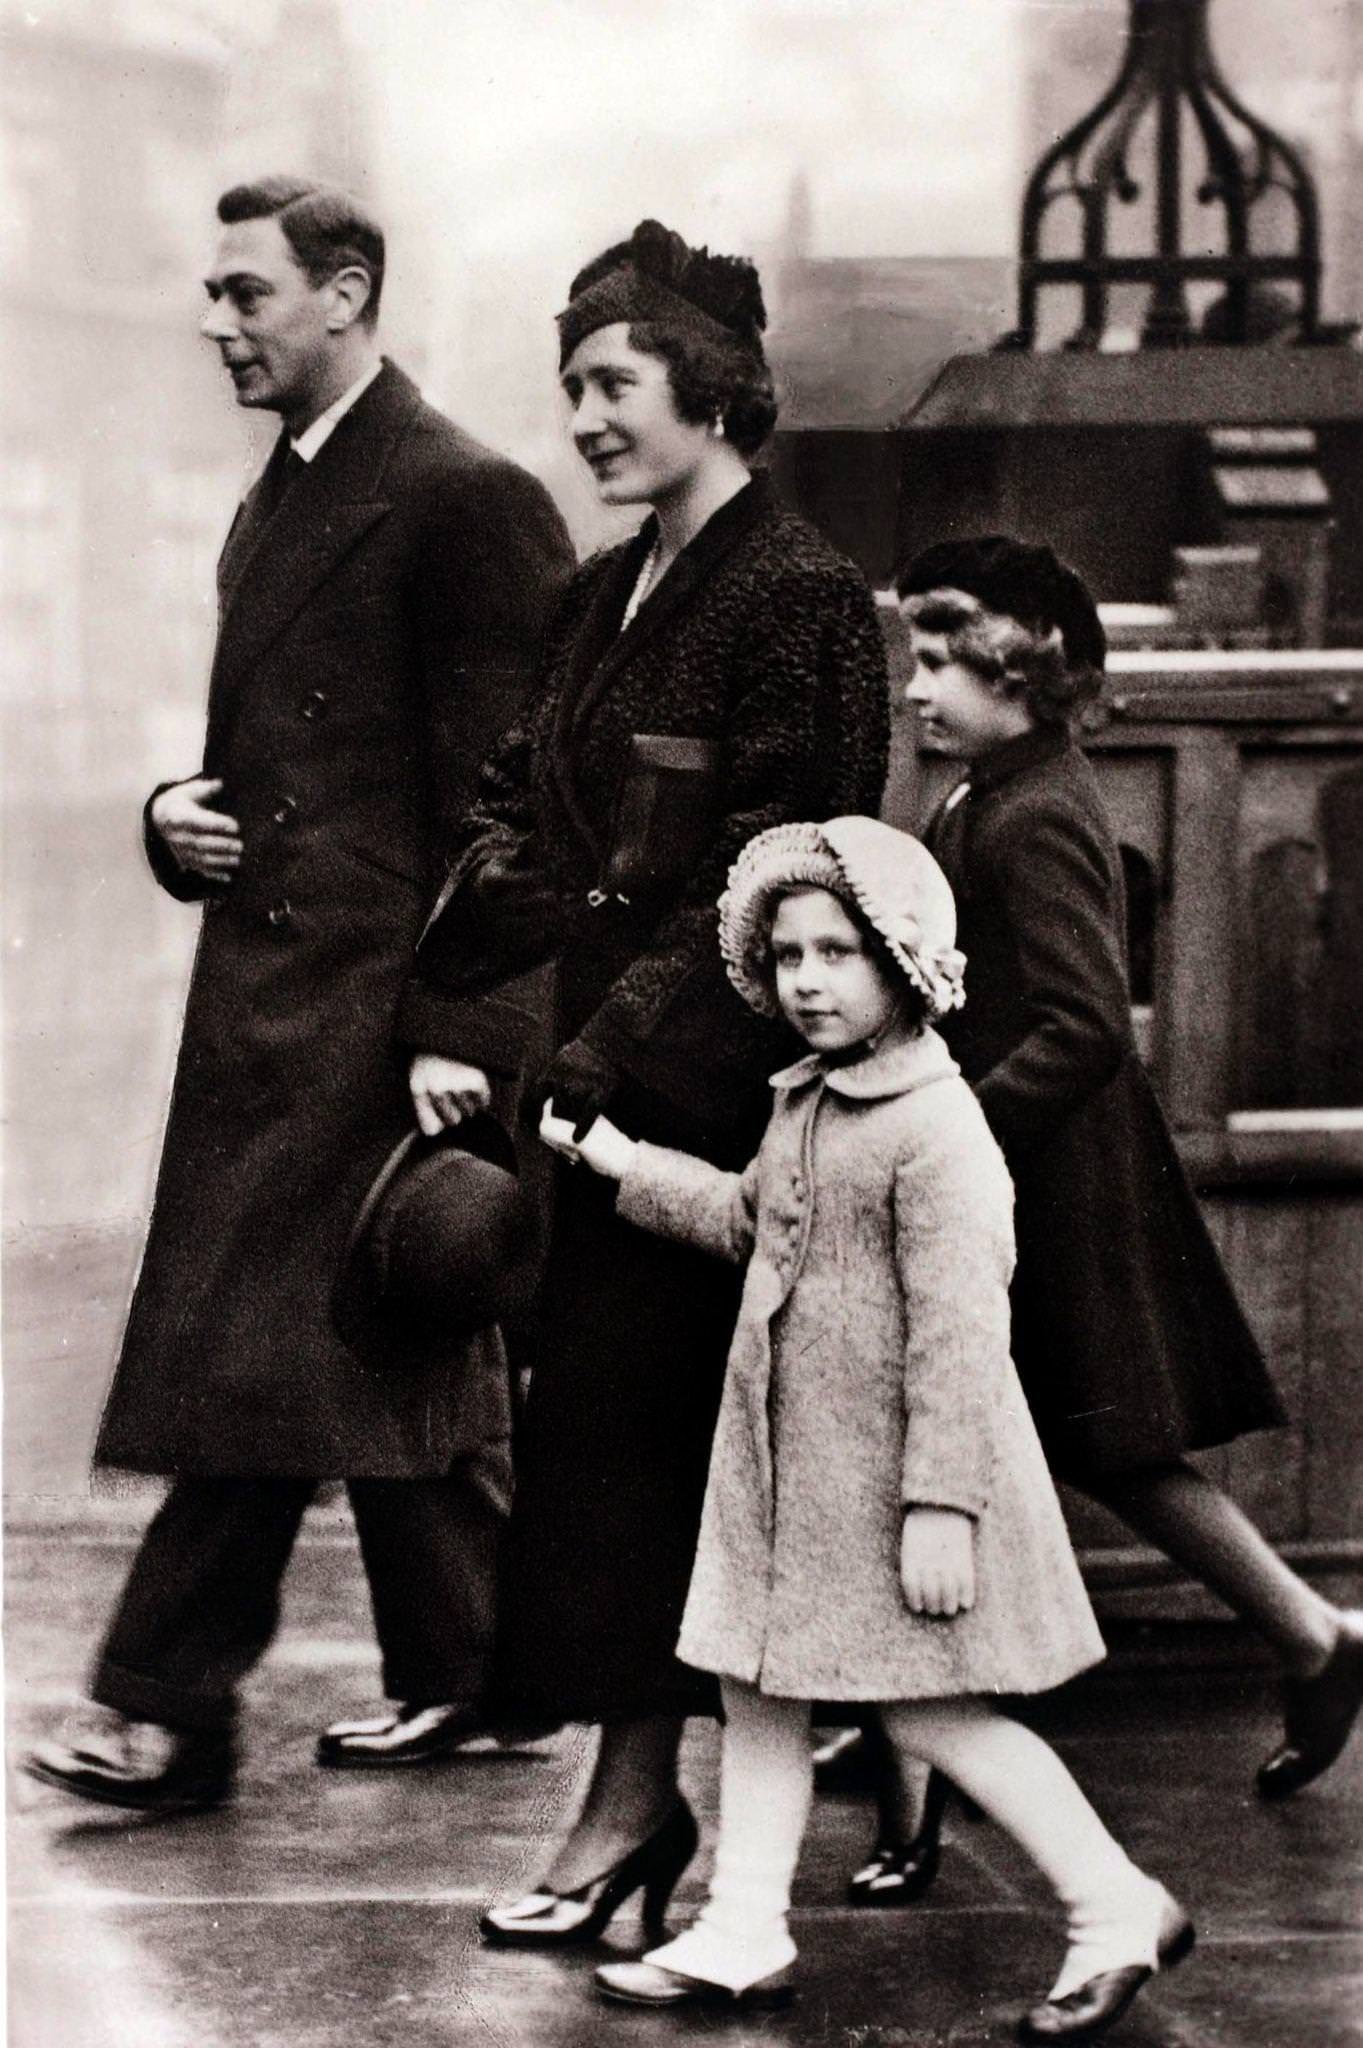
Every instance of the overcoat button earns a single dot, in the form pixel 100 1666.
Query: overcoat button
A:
pixel 285 811
pixel 278 914
pixel 315 704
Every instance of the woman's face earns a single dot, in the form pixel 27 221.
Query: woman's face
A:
pixel 829 984
pixel 957 708
pixel 625 422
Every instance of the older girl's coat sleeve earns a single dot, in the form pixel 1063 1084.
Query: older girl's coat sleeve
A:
pixel 1054 876
pixel 674 1194
pixel 953 1235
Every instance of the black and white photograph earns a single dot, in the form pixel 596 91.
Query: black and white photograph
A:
pixel 682 1022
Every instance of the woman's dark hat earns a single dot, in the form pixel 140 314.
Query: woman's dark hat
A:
pixel 656 276
pixel 435 1250
pixel 1028 582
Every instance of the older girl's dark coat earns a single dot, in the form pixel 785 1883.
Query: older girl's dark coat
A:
pixel 749 689
pixel 376 635
pixel 1128 1338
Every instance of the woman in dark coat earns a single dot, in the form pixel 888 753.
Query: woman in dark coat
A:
pixel 721 672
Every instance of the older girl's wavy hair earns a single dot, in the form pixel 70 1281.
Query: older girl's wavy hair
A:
pixel 1021 660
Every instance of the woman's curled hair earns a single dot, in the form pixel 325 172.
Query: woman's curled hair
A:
pixel 717 368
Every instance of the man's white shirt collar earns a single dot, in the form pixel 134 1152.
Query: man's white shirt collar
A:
pixel 310 443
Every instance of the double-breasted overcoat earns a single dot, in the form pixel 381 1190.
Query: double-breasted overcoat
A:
pixel 377 632
pixel 748 690
pixel 869 1372
pixel 1129 1340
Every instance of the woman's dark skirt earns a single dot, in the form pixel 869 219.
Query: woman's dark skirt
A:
pixel 613 1452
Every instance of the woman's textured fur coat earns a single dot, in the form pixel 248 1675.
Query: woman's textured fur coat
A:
pixel 870 1370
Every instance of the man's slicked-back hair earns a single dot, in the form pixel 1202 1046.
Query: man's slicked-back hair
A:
pixel 325 228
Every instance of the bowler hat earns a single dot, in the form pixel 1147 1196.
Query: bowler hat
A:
pixel 434 1251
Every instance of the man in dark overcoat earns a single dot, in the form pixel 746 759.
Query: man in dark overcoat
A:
pixel 383 592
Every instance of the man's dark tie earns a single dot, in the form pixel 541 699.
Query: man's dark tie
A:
pixel 283 469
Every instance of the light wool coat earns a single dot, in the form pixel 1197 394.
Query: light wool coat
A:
pixel 870 1369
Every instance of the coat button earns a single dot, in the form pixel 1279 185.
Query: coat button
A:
pixel 315 704
pixel 286 811
pixel 278 914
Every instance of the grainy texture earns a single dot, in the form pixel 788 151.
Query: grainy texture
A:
pixel 372 644
pixel 1127 1334
pixel 748 690
pixel 869 1370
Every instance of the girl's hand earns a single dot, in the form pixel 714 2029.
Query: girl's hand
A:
pixel 605 1149
pixel 937 1561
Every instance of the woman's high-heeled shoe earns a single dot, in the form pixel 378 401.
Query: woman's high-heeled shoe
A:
pixel 900 1872
pixel 547 1919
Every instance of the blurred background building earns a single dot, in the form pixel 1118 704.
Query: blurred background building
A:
pixel 871 153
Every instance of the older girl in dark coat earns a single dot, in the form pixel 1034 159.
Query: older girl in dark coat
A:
pixel 1129 1341
pixel 721 672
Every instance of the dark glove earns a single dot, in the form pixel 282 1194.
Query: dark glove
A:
pixel 581 1081
pixel 504 910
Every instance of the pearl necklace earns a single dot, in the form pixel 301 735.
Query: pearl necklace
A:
pixel 644 582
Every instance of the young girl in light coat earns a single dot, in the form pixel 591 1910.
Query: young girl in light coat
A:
pixel 879 1522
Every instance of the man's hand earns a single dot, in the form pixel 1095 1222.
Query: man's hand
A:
pixel 604 1148
pixel 444 1092
pixel 937 1561
pixel 202 840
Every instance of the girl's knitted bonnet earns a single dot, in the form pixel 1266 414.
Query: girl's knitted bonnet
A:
pixel 890 876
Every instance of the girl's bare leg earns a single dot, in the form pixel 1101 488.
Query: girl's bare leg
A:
pixel 1201 1528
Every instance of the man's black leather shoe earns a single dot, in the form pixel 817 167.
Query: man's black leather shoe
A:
pixel 139 1764
pixel 404 1735
pixel 1320 1713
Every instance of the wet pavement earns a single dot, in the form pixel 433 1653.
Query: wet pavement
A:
pixel 339 1910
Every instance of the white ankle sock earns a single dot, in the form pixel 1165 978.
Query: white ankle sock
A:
pixel 1114 1932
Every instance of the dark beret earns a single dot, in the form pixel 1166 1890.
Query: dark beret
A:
pixel 1028 582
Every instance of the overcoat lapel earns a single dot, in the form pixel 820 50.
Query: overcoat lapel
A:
pixel 271 575
pixel 602 650
pixel 249 525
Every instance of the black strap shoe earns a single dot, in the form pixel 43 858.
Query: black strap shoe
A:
pixel 899 1872
pixel 1319 1714
pixel 403 1736
pixel 139 1764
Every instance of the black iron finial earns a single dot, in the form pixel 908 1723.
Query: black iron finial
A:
pixel 1168 70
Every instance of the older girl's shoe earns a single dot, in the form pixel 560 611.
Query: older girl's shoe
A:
pixel 650 1984
pixel 548 1919
pixel 899 1872
pixel 1319 1713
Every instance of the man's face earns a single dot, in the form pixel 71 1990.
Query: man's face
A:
pixel 269 322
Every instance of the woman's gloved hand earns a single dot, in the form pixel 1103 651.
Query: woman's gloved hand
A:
pixel 507 906
pixel 580 1081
